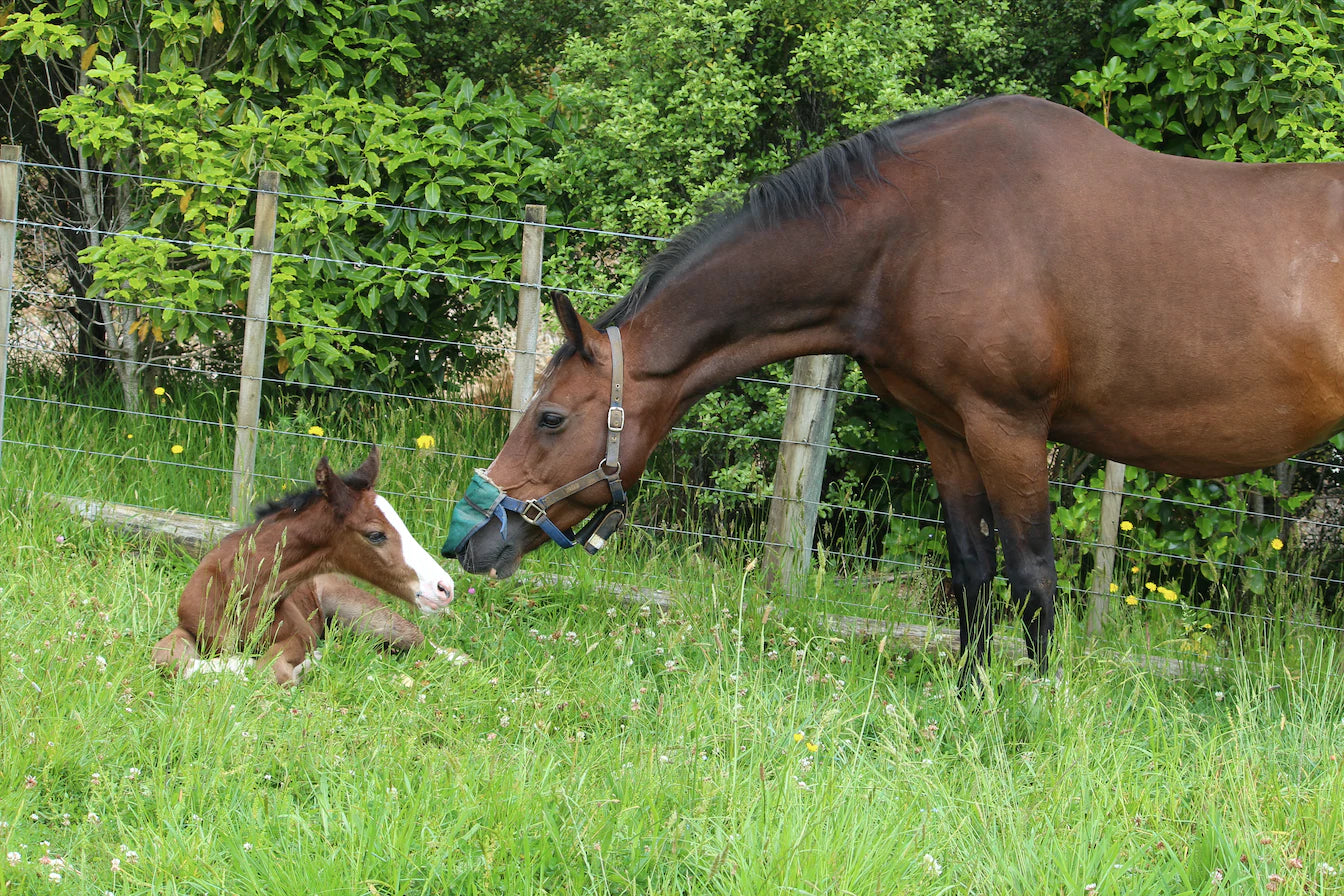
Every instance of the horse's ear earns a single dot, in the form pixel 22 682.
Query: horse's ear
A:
pixel 368 471
pixel 577 330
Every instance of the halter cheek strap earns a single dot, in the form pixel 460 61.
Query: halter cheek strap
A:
pixel 607 520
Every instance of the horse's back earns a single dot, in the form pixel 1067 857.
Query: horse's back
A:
pixel 1181 314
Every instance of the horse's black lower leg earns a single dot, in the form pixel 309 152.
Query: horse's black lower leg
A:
pixel 969 522
pixel 1009 453
pixel 1030 565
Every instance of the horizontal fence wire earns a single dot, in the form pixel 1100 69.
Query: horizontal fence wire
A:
pixel 693 493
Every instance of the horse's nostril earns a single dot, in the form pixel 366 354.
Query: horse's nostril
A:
pixel 446 589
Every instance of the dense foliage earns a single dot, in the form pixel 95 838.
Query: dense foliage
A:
pixel 1241 81
pixel 682 101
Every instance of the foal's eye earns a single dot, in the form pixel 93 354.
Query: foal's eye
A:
pixel 375 537
pixel 551 420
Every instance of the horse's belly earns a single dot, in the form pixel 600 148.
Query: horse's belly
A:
pixel 1201 439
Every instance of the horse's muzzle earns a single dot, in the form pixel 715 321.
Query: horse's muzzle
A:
pixel 479 504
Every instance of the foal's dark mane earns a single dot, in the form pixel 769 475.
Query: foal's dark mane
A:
pixel 297 501
pixel 808 188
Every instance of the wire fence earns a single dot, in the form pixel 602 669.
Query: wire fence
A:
pixel 895 541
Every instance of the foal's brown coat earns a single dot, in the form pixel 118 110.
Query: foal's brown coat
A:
pixel 282 573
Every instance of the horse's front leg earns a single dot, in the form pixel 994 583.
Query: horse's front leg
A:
pixel 1010 453
pixel 969 522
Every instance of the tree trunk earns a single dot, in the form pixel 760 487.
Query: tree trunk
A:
pixel 121 345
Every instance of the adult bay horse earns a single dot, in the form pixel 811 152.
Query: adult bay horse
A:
pixel 275 585
pixel 1007 270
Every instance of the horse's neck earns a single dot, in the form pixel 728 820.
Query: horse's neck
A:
pixel 755 301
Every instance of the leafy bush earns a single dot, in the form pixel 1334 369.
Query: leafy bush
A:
pixel 406 189
pixel 1243 81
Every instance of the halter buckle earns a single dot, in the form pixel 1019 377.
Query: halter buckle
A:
pixel 533 512
pixel 615 419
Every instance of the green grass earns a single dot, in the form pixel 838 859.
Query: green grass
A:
pixel 600 746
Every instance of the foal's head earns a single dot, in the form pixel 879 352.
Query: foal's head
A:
pixel 367 539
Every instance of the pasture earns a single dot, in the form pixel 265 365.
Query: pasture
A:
pixel 599 744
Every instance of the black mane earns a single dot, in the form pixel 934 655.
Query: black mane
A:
pixel 808 188
pixel 297 501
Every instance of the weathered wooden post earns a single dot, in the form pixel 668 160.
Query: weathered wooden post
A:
pixel 529 311
pixel 1103 567
pixel 9 228
pixel 801 468
pixel 254 346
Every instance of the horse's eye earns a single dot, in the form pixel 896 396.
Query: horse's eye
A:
pixel 375 537
pixel 551 420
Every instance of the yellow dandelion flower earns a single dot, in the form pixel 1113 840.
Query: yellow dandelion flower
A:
pixel 797 736
pixel 1132 600
pixel 812 748
pixel 1150 586
pixel 424 442
pixel 1114 588
pixel 129 436
pixel 1167 594
pixel 1126 526
pixel 160 391
pixel 1134 569
pixel 315 431
pixel 178 449
pixel 1277 544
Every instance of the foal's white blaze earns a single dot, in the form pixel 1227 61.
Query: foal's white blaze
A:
pixel 434 587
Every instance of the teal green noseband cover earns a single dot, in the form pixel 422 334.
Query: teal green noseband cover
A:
pixel 480 503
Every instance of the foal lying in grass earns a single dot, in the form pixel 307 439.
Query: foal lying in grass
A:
pixel 273 586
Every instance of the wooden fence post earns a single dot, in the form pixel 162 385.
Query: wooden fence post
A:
pixel 254 346
pixel 529 311
pixel 9 227
pixel 1103 567
pixel 801 467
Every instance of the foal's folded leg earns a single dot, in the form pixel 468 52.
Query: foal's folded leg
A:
pixel 292 636
pixel 176 653
pixel 355 608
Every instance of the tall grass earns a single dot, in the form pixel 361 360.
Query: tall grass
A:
pixel 727 745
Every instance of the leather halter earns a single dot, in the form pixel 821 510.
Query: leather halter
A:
pixel 607 520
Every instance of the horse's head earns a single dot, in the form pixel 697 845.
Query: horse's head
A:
pixel 574 450
pixel 372 543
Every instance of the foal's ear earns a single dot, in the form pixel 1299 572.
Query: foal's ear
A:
pixel 323 475
pixel 339 495
pixel 577 330
pixel 368 471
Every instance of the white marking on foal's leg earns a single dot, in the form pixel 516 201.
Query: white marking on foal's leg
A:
pixel 308 661
pixel 235 665
pixel 434 590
